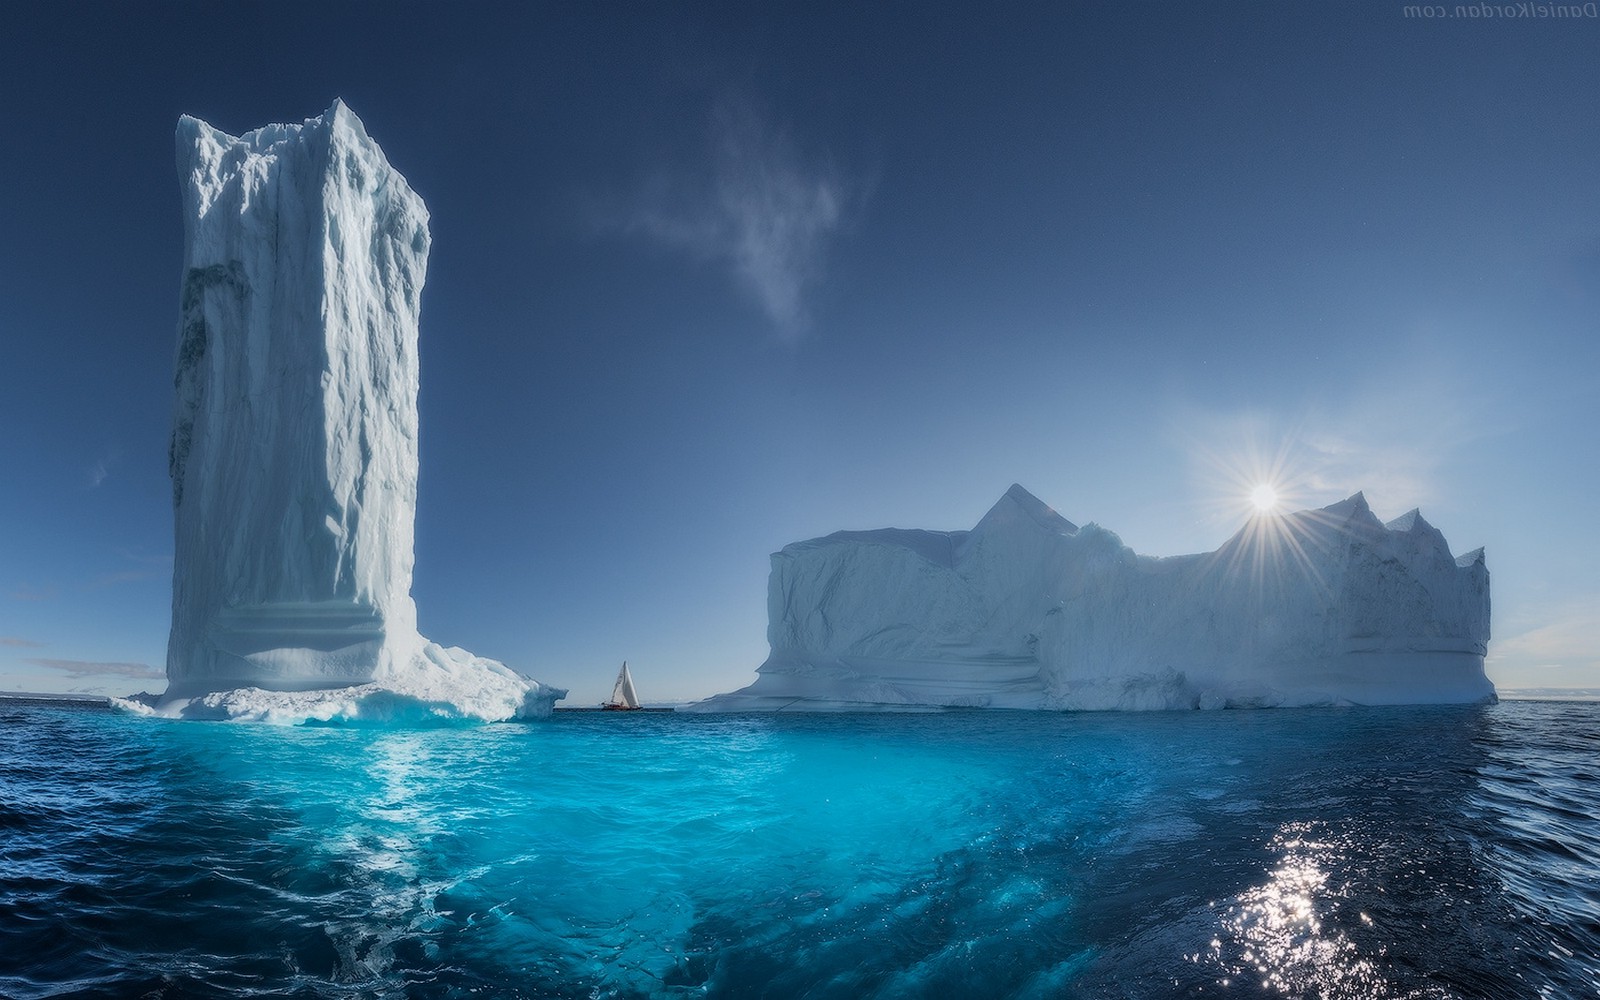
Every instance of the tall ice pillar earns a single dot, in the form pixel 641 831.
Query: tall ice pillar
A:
pixel 294 442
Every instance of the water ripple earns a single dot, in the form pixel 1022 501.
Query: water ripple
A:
pixel 1415 853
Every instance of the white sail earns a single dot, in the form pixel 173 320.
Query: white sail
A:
pixel 623 694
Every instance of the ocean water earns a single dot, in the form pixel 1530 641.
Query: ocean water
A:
pixel 1371 853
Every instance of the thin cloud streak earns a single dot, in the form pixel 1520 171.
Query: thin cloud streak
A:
pixel 123 576
pixel 19 643
pixel 88 668
pixel 149 568
pixel 1555 648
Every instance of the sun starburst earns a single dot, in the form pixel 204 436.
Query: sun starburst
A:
pixel 1264 498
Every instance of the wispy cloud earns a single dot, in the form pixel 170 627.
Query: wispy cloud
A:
pixel 765 209
pixel 1395 439
pixel 99 470
pixel 121 576
pixel 18 643
pixel 1393 443
pixel 28 592
pixel 88 668
pixel 1551 646
pixel 143 567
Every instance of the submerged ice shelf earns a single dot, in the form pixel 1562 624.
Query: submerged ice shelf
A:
pixel 294 445
pixel 1028 610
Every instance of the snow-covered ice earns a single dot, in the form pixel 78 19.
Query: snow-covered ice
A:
pixel 442 684
pixel 294 445
pixel 1028 610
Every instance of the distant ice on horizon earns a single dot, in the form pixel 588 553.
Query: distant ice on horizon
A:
pixel 1030 611
pixel 294 445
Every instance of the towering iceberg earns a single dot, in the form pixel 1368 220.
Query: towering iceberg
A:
pixel 1028 610
pixel 294 443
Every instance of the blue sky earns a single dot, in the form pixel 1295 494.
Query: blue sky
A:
pixel 708 279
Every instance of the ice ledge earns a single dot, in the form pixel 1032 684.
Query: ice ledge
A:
pixel 439 685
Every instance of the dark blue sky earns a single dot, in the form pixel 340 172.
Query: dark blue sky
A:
pixel 709 279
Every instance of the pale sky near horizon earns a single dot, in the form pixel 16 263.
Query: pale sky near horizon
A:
pixel 709 279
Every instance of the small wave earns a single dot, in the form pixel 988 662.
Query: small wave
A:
pixel 1396 852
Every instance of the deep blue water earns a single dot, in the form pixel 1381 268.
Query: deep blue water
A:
pixel 1437 852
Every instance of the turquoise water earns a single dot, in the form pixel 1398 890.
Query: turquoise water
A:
pixel 1440 852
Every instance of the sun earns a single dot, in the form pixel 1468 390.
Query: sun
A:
pixel 1264 498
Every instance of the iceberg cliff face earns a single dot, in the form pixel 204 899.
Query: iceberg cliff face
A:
pixel 294 444
pixel 1028 610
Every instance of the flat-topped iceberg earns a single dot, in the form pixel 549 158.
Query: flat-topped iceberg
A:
pixel 294 444
pixel 1028 610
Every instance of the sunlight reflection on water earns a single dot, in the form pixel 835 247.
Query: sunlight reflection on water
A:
pixel 1321 854
pixel 1277 928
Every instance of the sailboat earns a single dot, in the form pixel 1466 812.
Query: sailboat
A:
pixel 623 698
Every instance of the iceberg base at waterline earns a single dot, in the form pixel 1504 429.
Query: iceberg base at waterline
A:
pixel 1410 678
pixel 436 684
